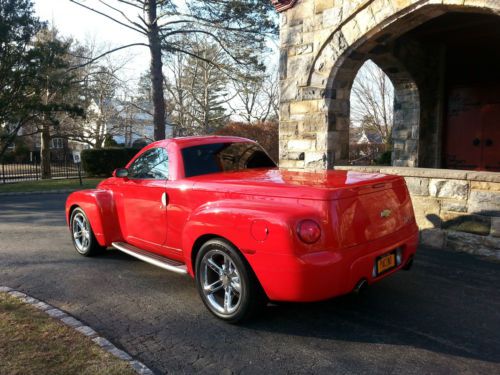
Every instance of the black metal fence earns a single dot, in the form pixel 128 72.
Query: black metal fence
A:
pixel 14 172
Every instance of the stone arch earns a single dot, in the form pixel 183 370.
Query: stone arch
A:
pixel 406 106
pixel 375 23
pixel 316 120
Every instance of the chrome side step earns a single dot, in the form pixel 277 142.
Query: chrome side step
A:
pixel 151 258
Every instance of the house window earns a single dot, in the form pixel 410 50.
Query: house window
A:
pixel 56 143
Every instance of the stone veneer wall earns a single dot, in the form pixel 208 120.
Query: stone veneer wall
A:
pixel 322 45
pixel 459 210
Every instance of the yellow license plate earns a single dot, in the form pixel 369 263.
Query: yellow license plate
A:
pixel 385 263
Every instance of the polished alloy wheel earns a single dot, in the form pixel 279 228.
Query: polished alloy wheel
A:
pixel 221 282
pixel 81 232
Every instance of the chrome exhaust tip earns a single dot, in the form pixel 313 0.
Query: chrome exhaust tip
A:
pixel 360 286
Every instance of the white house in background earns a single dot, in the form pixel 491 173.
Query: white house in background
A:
pixel 367 137
pixel 134 125
pixel 129 125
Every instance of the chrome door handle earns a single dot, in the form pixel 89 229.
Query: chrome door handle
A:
pixel 164 200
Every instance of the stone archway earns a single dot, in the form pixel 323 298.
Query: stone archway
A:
pixel 406 106
pixel 323 46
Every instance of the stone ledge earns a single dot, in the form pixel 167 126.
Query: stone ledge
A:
pixel 453 174
pixel 488 247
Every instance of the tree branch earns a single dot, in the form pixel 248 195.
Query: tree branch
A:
pixel 140 27
pixel 91 60
pixel 107 16
pixel 195 31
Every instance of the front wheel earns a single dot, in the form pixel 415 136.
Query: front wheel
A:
pixel 225 282
pixel 82 235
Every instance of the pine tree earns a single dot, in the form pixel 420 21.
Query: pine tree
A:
pixel 18 26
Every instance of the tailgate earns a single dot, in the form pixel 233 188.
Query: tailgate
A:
pixel 374 212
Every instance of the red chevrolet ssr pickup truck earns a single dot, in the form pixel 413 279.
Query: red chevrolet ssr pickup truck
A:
pixel 218 209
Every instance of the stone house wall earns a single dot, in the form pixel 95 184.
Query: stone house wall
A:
pixel 323 43
pixel 459 210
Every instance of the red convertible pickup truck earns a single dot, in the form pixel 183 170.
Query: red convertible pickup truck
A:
pixel 218 209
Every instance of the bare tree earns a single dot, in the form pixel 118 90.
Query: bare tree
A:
pixel 372 101
pixel 179 88
pixel 99 84
pixel 237 26
pixel 257 97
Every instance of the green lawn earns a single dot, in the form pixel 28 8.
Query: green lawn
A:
pixel 31 342
pixel 46 185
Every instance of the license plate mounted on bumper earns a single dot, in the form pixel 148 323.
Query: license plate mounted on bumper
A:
pixel 385 263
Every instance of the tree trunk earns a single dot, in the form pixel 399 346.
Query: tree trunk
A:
pixel 45 153
pixel 156 72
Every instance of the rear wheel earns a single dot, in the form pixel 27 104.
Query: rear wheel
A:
pixel 82 235
pixel 225 282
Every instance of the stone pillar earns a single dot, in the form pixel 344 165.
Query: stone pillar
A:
pixel 303 122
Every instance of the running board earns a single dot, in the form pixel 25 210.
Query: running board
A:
pixel 151 258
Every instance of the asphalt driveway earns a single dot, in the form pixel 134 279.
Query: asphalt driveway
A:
pixel 441 317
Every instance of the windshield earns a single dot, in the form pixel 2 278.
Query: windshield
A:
pixel 224 157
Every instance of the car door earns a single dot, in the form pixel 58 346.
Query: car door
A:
pixel 143 200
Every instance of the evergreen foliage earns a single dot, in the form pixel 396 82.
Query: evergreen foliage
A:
pixel 102 162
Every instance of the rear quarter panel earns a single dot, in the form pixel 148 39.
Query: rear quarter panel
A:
pixel 255 225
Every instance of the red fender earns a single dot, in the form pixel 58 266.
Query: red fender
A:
pixel 97 205
pixel 253 228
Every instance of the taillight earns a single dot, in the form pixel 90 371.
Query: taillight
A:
pixel 308 231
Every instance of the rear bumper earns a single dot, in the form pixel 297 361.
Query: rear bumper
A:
pixel 322 275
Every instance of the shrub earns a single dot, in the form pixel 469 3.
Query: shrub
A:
pixel 265 133
pixel 109 141
pixel 384 159
pixel 20 154
pixel 8 158
pixel 102 162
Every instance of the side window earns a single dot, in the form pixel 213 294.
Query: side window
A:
pixel 152 165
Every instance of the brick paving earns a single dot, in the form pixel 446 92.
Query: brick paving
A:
pixel 441 317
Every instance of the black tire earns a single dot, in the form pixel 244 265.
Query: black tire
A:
pixel 247 302
pixel 86 244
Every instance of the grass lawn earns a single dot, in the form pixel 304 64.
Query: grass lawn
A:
pixel 31 342
pixel 45 185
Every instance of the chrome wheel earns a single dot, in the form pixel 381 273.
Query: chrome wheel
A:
pixel 221 283
pixel 81 232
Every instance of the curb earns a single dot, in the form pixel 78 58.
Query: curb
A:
pixel 139 367
pixel 38 192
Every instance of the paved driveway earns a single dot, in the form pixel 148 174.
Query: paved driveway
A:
pixel 441 317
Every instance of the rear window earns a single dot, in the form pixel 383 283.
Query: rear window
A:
pixel 224 157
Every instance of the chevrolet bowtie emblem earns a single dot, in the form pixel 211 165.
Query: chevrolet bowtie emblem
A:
pixel 385 213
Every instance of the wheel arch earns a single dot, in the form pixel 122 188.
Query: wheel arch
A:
pixel 200 241
pixel 70 211
pixel 98 206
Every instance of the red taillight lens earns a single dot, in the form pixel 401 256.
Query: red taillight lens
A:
pixel 309 231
